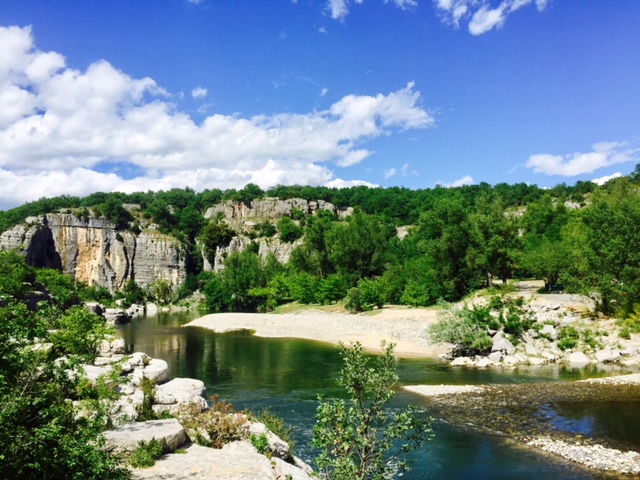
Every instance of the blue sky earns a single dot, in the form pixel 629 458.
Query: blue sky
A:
pixel 145 95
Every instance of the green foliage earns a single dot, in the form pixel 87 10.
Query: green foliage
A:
pixel 94 294
pixel 214 235
pixel 266 229
pixel 468 328
pixel 79 332
pixel 288 231
pixel 361 438
pixel 61 286
pixel 260 442
pixel 16 277
pixel 330 290
pixel 568 338
pixel 49 440
pixel 146 453
pixel 132 293
pixel 368 294
pixel 277 425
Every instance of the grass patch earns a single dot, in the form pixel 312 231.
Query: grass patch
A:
pixel 146 454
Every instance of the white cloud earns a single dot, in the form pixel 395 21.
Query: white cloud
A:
pixel 339 183
pixel 407 172
pixel 606 178
pixel 195 2
pixel 390 173
pixel 466 180
pixel 324 91
pixel 485 15
pixel 339 9
pixel 199 92
pixel 604 154
pixel 58 123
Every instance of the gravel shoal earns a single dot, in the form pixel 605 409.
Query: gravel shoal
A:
pixel 437 390
pixel 632 379
pixel 406 328
pixel 593 456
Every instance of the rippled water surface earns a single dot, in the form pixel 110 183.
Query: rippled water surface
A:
pixel 287 375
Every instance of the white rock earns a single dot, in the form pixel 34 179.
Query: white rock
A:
pixel 549 331
pixel 119 346
pixel 286 470
pixel 502 344
pixel 156 370
pixel 126 437
pixel 607 355
pixel 461 361
pixel 578 359
pixel 139 359
pixel 483 362
pixel 537 360
pixel 530 349
pixel 495 357
pixel 171 396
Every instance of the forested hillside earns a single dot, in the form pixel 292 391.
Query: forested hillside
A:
pixel 452 241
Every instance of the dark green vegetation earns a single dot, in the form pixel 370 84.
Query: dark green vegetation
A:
pixel 361 439
pixel 42 339
pixel 582 237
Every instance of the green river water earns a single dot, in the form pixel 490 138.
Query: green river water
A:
pixel 287 375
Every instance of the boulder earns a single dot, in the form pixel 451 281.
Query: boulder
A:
pixel 156 371
pixel 578 359
pixel 483 362
pixel 125 438
pixel 495 357
pixel 530 349
pixel 549 331
pixel 172 395
pixel 116 316
pixel 460 361
pixel 607 355
pixel 284 470
pixel 502 344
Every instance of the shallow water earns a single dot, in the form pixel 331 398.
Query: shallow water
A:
pixel 287 375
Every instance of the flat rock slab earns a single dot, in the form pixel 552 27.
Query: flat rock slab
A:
pixel 126 437
pixel 235 461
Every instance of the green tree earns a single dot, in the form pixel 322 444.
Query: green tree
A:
pixel 288 231
pixel 359 246
pixel 215 234
pixel 361 438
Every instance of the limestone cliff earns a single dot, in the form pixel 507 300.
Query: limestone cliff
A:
pixel 95 253
pixel 273 209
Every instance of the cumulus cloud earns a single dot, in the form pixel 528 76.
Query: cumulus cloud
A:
pixel 483 16
pixel 199 92
pixel 604 154
pixel 466 180
pixel 57 124
pixel 606 178
pixel 390 173
pixel 339 183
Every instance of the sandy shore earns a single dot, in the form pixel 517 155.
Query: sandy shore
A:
pixel 407 328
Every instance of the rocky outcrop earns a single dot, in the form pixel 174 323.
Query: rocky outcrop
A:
pixel 273 209
pixel 94 252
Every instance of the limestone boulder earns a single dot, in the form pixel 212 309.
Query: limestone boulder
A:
pixel 172 395
pixel 126 438
pixel 156 370
pixel 578 359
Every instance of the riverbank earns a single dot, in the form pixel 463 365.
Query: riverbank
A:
pixel 407 328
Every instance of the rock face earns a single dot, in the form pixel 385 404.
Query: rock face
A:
pixel 94 252
pixel 273 209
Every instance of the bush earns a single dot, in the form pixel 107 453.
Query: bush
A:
pixel 288 231
pixel 331 289
pixel 417 295
pixel 568 338
pixel 79 332
pixel 214 427
pixel 146 453
pixel 354 301
pixel 261 443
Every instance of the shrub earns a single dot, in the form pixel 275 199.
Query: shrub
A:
pixel 277 425
pixel 261 443
pixel 354 301
pixel 214 427
pixel 362 439
pixel 146 453
pixel 568 338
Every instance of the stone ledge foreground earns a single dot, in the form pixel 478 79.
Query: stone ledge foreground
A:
pixel 235 461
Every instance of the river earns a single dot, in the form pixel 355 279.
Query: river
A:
pixel 287 375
